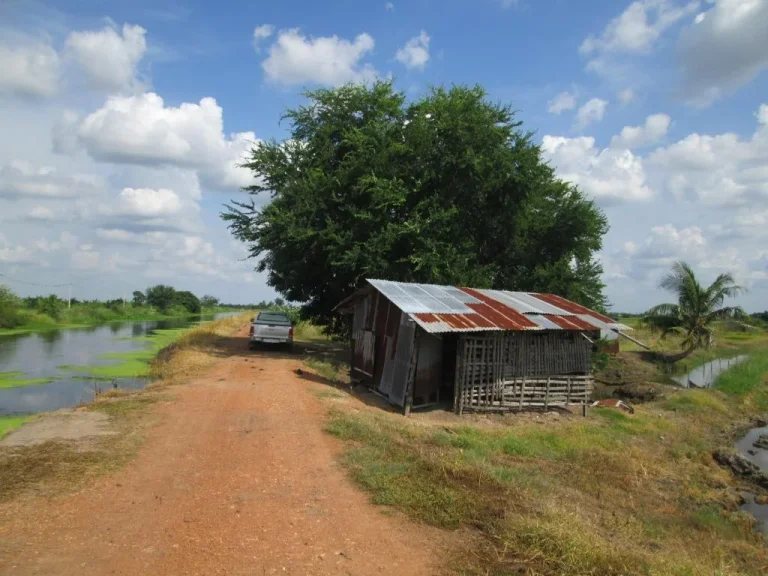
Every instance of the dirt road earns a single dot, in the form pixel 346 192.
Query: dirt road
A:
pixel 237 478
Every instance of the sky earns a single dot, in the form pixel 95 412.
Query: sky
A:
pixel 123 125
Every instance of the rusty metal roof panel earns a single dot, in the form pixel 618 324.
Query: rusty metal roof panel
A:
pixel 513 300
pixel 439 309
pixel 441 323
pixel 544 322
pixel 537 305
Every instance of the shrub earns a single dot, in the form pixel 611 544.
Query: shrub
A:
pixel 9 308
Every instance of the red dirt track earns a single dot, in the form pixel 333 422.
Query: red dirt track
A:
pixel 237 478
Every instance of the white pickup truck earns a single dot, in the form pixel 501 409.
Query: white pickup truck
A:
pixel 271 328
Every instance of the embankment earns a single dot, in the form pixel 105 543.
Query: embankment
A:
pixel 62 450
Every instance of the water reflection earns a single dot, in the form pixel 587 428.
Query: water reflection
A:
pixel 39 355
pixel 705 375
pixel 759 457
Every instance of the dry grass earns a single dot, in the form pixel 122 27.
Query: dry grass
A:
pixel 56 467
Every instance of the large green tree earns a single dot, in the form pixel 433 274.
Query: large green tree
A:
pixel 446 189
pixel 161 297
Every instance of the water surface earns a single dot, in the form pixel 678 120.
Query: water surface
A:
pixel 705 375
pixel 39 355
pixel 760 458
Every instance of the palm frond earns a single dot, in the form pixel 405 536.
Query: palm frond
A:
pixel 726 313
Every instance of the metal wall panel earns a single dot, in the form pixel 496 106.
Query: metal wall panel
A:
pixel 429 366
pixel 388 367
pixel 364 352
pixel 402 361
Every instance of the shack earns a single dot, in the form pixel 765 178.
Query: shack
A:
pixel 488 350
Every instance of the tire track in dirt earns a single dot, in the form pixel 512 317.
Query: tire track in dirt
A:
pixel 236 478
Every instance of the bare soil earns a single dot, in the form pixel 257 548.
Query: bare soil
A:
pixel 63 425
pixel 237 478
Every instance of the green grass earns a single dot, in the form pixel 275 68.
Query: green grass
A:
pixel 134 364
pixel 14 380
pixel 744 377
pixel 615 493
pixel 9 423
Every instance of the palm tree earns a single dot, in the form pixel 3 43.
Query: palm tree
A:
pixel 696 309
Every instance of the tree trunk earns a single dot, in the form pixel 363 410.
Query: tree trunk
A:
pixel 671 359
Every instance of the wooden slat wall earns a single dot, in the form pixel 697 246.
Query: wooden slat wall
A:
pixel 515 371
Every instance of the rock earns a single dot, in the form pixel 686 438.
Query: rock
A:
pixel 735 462
pixel 761 421
pixel 751 452
pixel 761 442
pixel 638 392
pixel 740 466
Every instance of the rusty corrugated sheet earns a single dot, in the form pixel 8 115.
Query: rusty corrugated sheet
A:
pixel 438 309
pixel 499 314
pixel 572 307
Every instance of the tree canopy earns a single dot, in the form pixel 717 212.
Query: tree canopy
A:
pixel 445 189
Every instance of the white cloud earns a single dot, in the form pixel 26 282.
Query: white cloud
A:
pixel 261 33
pixel 108 59
pixel 148 202
pixel 10 254
pixel 562 102
pixel 626 96
pixel 297 59
pixel 654 130
pixel 724 49
pixel 610 175
pixel 85 258
pixel 25 180
pixel 142 130
pixel 389 6
pixel 415 54
pixel 119 235
pixel 41 213
pixel 30 69
pixel 592 111
pixel 717 170
pixel 637 28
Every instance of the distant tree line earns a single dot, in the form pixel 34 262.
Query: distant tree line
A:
pixel 160 299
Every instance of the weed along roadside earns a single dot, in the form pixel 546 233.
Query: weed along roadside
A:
pixel 556 493
pixel 60 451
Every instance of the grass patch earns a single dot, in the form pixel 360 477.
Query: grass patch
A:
pixel 612 494
pixel 744 377
pixel 305 331
pixel 10 423
pixel 14 380
pixel 334 371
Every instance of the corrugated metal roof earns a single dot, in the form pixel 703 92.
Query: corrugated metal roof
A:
pixel 440 309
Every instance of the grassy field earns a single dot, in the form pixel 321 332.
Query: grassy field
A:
pixel 727 344
pixel 54 467
pixel 613 494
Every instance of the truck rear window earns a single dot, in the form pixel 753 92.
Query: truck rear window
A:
pixel 276 317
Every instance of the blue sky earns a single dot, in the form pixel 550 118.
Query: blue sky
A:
pixel 124 122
